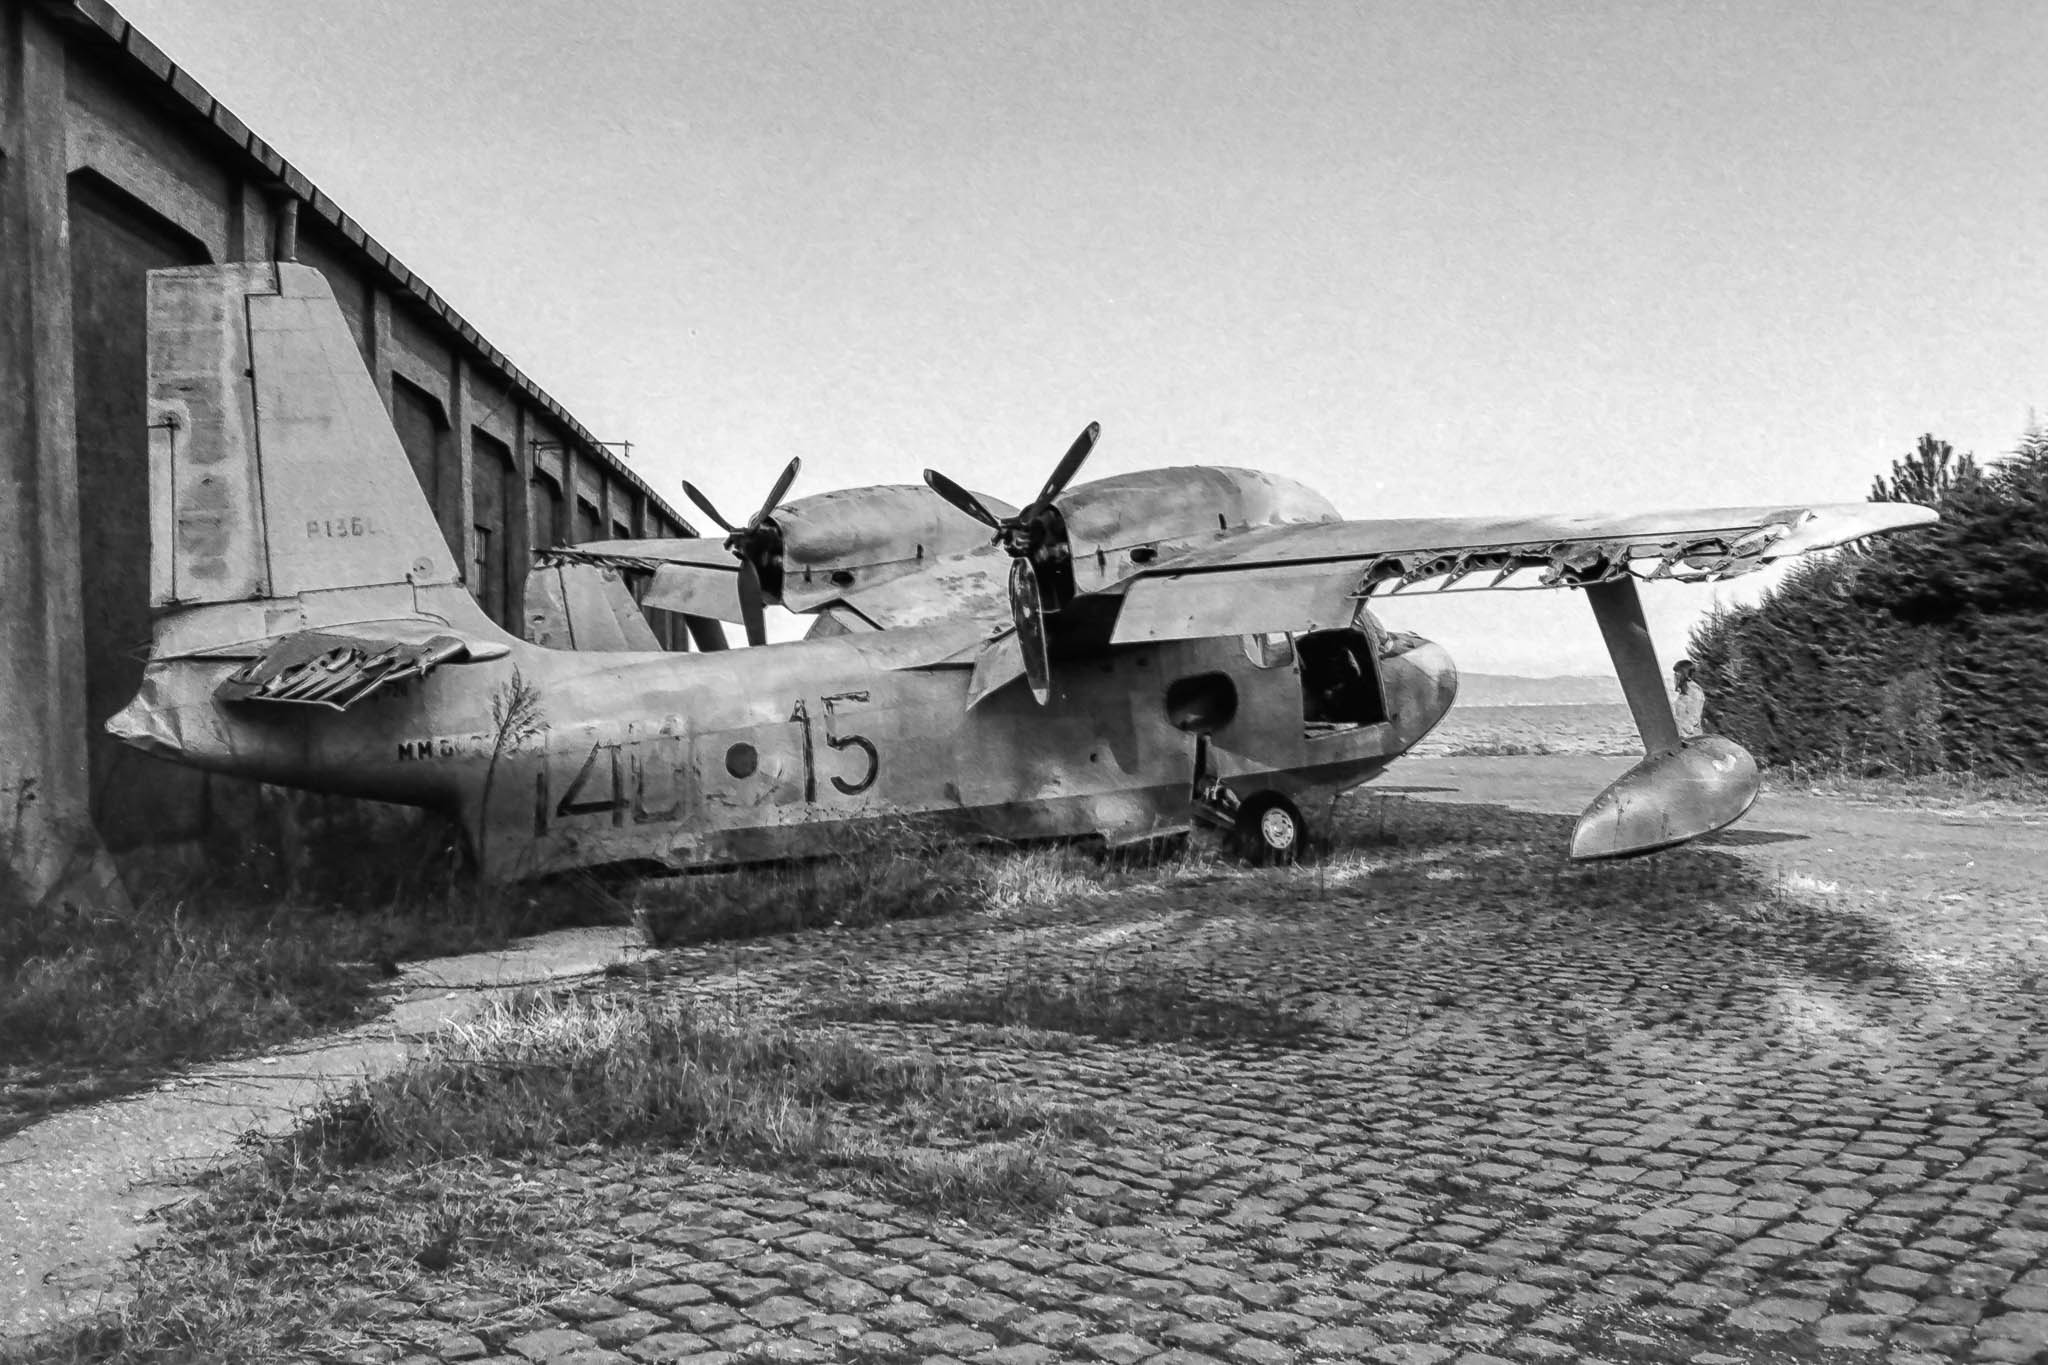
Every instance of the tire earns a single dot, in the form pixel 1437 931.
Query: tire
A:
pixel 1270 830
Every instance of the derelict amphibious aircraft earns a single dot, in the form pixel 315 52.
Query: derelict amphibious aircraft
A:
pixel 1123 660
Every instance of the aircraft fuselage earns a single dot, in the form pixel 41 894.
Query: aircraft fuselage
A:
pixel 759 754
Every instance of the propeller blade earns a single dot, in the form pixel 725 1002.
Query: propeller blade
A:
pixel 1029 616
pixel 962 499
pixel 750 605
pixel 775 494
pixel 696 495
pixel 1070 463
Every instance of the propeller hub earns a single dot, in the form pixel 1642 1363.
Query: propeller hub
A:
pixel 1042 576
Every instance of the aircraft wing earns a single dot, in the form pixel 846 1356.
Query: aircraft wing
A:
pixel 340 665
pixel 1311 576
pixel 1314 575
pixel 693 575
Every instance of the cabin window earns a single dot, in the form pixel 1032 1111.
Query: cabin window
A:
pixel 1340 679
pixel 1203 704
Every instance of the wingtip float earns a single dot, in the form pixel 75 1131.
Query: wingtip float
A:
pixel 1116 659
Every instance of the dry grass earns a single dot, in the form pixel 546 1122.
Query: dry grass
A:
pixel 891 872
pixel 539 1075
pixel 884 873
pixel 407 1183
pixel 493 1158
pixel 1499 748
pixel 96 1004
pixel 1936 790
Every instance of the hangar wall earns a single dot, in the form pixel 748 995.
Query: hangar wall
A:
pixel 114 162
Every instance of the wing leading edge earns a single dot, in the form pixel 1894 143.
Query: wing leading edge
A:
pixel 1307 577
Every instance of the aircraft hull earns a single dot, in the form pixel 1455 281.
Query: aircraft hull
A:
pixel 688 761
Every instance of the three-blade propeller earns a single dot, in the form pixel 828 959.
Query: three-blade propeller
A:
pixel 1042 571
pixel 757 545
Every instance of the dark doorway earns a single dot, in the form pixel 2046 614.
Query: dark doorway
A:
pixel 1340 679
pixel 114 242
pixel 422 426
pixel 547 511
pixel 494 493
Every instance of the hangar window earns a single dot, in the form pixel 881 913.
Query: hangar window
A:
pixel 1340 680
pixel 1203 704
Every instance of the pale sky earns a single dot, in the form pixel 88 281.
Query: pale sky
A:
pixel 1431 258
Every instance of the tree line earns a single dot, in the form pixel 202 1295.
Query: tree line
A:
pixel 1921 652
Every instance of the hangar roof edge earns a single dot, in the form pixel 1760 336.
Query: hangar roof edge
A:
pixel 99 22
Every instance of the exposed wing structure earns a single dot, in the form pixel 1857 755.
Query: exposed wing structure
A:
pixel 1305 577
pixel 694 575
pixel 337 668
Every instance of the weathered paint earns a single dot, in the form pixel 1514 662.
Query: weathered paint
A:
pixel 674 759
pixel 770 752
pixel 684 760
pixel 1673 795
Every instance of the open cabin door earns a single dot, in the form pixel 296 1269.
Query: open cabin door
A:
pixel 1340 681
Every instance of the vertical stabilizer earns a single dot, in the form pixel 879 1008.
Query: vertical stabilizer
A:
pixel 275 471
pixel 205 496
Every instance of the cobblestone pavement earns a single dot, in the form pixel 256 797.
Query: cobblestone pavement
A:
pixel 1776 1099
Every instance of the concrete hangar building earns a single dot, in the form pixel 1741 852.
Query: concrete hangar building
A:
pixel 114 162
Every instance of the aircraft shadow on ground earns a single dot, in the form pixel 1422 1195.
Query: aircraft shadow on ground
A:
pixel 1689 918
pixel 1745 838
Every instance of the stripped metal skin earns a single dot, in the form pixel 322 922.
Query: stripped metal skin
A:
pixel 1211 657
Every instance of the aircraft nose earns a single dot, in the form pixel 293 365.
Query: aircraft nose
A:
pixel 1428 684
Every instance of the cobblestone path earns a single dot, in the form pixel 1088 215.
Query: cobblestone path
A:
pixel 1777 1100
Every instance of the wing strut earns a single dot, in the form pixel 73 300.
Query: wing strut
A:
pixel 1619 610
pixel 1683 788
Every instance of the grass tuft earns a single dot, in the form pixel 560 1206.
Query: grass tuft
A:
pixel 1499 748
pixel 885 874
pixel 537 1075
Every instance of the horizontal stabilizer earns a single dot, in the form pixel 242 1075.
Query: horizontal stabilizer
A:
pixel 578 605
pixel 321 668
pixel 698 590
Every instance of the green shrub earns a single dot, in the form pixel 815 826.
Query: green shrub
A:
pixel 1917 655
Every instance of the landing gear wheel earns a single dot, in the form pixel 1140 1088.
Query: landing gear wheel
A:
pixel 1270 829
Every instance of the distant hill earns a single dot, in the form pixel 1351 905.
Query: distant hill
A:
pixel 1500 689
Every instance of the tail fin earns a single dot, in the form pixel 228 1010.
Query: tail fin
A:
pixel 275 472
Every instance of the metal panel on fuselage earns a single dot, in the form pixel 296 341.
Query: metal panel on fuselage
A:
pixel 779 753
pixel 769 753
